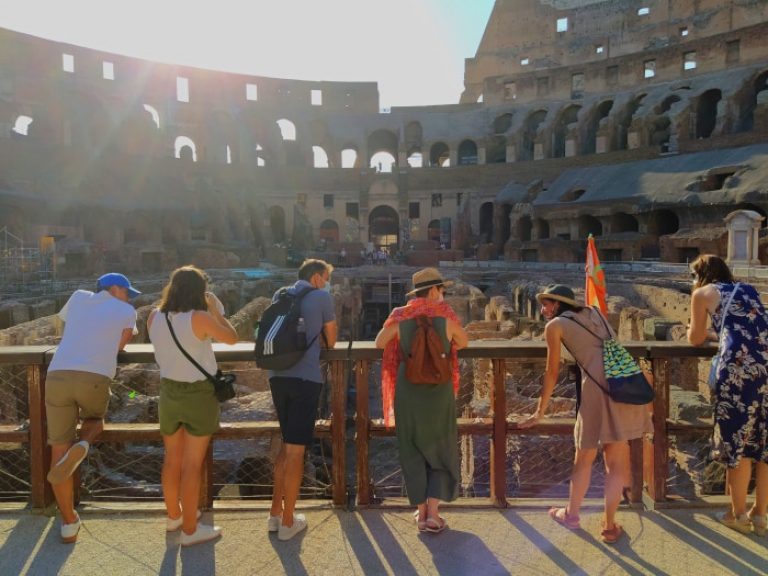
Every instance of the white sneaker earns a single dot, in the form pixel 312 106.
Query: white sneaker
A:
pixel 171 525
pixel 203 533
pixel 69 531
pixel 273 524
pixel 64 468
pixel 299 524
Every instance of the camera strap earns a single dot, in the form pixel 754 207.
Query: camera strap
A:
pixel 176 340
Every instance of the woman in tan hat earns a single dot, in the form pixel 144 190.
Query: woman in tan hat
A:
pixel 600 422
pixel 427 437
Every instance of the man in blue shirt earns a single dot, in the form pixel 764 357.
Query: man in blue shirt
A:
pixel 296 392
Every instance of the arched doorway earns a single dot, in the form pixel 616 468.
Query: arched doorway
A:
pixel 384 228
pixel 329 231
pixel 486 222
pixel 433 231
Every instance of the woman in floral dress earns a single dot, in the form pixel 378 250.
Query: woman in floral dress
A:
pixel 741 389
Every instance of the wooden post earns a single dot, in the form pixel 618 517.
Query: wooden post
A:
pixel 636 470
pixel 498 456
pixel 338 431
pixel 39 451
pixel 206 482
pixel 362 437
pixel 656 454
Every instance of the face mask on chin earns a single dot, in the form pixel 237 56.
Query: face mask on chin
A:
pixel 327 287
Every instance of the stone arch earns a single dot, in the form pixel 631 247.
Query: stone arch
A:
pixel 530 130
pixel 467 153
pixel 759 209
pixel 413 135
pixel 541 228
pixel 505 226
pixel 22 124
pixel 596 116
pixel 415 158
pixel 287 129
pixel 758 85
pixel 319 157
pixel 568 116
pixel 382 141
pixel 277 224
pixel 329 230
pixel 184 148
pixel 433 230
pixel 623 222
pixel 667 103
pixel 439 155
pixel 662 222
pixel 589 225
pixel 153 114
pixel 384 227
pixel 706 113
pixel 350 157
pixel 486 222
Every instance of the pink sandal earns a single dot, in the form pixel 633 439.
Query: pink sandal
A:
pixel 561 516
pixel 611 536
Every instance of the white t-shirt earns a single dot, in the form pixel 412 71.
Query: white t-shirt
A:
pixel 172 362
pixel 94 325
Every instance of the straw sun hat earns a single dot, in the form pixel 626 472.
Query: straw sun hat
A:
pixel 426 279
pixel 558 292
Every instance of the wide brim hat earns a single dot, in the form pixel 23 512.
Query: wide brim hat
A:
pixel 560 293
pixel 426 279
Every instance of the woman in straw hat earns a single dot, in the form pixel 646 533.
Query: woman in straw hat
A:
pixel 599 421
pixel 427 437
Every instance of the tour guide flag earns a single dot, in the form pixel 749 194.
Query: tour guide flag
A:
pixel 594 292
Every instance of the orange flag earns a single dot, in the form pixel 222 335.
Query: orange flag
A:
pixel 594 292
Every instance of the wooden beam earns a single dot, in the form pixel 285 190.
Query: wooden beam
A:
pixel 498 444
pixel 39 451
pixel 362 438
pixel 338 431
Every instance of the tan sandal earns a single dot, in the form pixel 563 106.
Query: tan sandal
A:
pixel 561 516
pixel 435 525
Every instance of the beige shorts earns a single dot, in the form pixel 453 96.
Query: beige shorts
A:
pixel 69 395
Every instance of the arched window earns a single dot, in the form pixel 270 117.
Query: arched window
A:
pixel 383 161
pixel 348 158
pixel 467 153
pixel 287 129
pixel 21 126
pixel 185 148
pixel 320 157
pixel 154 114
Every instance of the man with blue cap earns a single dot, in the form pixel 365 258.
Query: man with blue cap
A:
pixel 96 326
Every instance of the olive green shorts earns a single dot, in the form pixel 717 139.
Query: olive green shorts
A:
pixel 189 404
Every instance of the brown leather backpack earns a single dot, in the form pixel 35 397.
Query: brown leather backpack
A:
pixel 427 362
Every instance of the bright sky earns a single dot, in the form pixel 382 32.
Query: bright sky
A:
pixel 414 49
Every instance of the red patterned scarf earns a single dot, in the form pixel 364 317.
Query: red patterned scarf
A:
pixel 393 355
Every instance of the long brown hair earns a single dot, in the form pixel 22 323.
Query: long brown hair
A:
pixel 185 291
pixel 708 269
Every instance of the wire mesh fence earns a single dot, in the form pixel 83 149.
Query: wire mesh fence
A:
pixel 242 467
pixel 15 481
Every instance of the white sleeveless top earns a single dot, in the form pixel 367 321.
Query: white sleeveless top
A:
pixel 173 364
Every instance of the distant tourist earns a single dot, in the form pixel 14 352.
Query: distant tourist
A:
pixel 740 384
pixel 599 420
pixel 188 408
pixel 296 394
pixel 96 326
pixel 424 415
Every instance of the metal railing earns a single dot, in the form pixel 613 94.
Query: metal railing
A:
pixel 496 453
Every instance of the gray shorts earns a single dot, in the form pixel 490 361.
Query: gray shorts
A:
pixel 71 395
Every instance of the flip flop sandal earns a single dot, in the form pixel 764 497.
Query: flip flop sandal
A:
pixel 561 516
pixel 435 525
pixel 612 536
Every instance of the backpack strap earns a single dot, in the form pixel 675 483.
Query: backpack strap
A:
pixel 574 356
pixel 299 297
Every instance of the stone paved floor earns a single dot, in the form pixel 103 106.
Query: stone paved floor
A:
pixel 479 541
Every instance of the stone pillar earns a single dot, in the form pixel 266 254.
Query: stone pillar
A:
pixel 481 155
pixel 511 153
pixel 743 232
pixel 453 156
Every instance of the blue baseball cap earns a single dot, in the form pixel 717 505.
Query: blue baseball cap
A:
pixel 116 279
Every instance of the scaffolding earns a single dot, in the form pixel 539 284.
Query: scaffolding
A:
pixel 22 268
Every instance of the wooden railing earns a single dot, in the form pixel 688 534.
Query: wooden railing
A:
pixel 649 457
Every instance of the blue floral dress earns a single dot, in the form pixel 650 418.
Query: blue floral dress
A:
pixel 741 403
